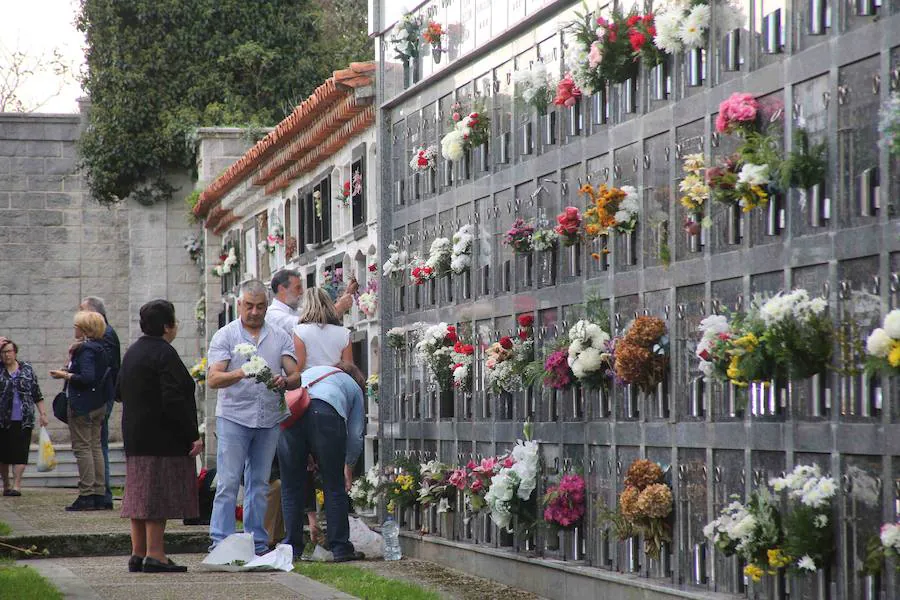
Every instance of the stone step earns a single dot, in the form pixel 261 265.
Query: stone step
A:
pixel 66 472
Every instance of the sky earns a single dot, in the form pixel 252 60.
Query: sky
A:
pixel 36 27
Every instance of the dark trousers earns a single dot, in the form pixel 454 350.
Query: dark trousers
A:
pixel 321 432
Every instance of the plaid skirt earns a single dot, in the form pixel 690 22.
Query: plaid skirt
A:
pixel 160 487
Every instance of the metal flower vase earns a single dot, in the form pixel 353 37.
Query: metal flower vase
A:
pixel 574 256
pixel 816 202
pixel 547 267
pixel 733 224
pixel 629 247
pixel 574 544
pixel 436 52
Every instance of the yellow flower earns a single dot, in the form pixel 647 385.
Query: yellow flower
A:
pixel 894 355
pixel 734 369
pixel 320 498
pixel 753 572
pixel 777 558
pixel 390 506
pixel 405 482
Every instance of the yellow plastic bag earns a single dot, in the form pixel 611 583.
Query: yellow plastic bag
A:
pixel 46 454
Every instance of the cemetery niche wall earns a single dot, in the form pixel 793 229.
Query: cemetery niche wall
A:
pixel 661 232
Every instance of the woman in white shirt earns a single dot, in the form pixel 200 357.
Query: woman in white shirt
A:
pixel 320 339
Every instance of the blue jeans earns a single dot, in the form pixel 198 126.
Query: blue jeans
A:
pixel 321 432
pixel 104 445
pixel 249 452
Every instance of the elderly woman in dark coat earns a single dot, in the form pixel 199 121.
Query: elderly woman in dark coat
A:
pixel 159 427
pixel 20 397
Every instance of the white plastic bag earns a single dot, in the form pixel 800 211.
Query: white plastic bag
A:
pixel 46 454
pixel 365 540
pixel 320 554
pixel 237 553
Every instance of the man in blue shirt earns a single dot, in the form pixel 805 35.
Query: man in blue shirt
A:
pixel 247 413
pixel 332 431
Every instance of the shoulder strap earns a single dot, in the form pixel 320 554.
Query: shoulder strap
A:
pixel 314 382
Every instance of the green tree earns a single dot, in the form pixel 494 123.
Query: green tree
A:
pixel 157 69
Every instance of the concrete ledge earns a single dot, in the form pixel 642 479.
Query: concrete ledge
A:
pixel 102 544
pixel 548 578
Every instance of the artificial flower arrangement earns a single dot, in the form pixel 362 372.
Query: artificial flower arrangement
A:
pixel 396 263
pixel 564 502
pixel 439 256
pixel 507 360
pixel 568 226
pixel 200 311
pixel 433 35
pixel 463 242
pixel 461 357
pixel 424 159
pixel 695 192
pixel 534 87
pixel 258 369
pixel 720 349
pixel 317 203
pixel 435 348
pixel 640 357
pixel 764 538
pixel 610 209
pixel 290 247
pixel 273 240
pixel 372 387
pixel 889 124
pixel 641 35
pixel 644 507
pixel 545 240
pixel 797 333
pixel 367 300
pixel 567 93
pixel 194 247
pixel 682 27
pixel 351 188
pixel 402 488
pixel 406 39
pixel 519 236
pixel 588 354
pixel 198 371
pixel 366 490
pixel 436 488
pixel 883 346
pixel 474 480
pixel 229 260
pixel 419 271
pixel 396 338
pixel 881 547
pixel 511 492
pixel 468 131
pixel 332 281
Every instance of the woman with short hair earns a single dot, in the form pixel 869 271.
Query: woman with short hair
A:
pixel 159 428
pixel 20 395
pixel 319 338
pixel 85 388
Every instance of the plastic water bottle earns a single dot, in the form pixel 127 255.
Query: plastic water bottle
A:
pixel 390 531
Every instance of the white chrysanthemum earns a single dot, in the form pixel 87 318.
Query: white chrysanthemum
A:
pixel 892 324
pixel 694 26
pixel 668 30
pixel 452 146
pixel 246 350
pixel 713 325
pixel 879 343
pixel 807 563
pixel 754 174
pixel 890 536
pixel 254 366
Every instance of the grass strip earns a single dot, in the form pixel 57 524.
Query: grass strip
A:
pixel 24 583
pixel 363 583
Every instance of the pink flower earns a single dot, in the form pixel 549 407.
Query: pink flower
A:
pixel 595 56
pixel 739 109
pixel 471 465
pixel 456 117
pixel 508 462
pixel 476 485
pixel 458 479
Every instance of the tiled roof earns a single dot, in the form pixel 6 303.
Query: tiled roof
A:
pixel 330 107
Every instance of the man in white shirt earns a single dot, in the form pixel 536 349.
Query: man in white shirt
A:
pixel 288 289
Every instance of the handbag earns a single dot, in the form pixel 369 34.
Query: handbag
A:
pixel 61 407
pixel 298 400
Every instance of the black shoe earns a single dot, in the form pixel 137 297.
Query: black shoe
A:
pixel 82 503
pixel 355 555
pixel 151 565
pixel 135 564
pixel 101 503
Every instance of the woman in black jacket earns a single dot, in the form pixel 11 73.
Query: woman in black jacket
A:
pixel 159 427
pixel 86 376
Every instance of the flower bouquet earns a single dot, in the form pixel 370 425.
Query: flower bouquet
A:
pixel 367 300
pixel 424 159
pixel 734 182
pixel 194 247
pixel 507 361
pixel 798 333
pixel 685 26
pixel 611 209
pixel 568 226
pixel 641 354
pixel 512 488
pixel 604 50
pixel 419 271
pixel 436 488
pixel 809 541
pixel 258 369
pixel 461 252
pixel 644 507
pixel 806 165
pixel 396 338
pixel 401 490
pixel 641 34
pixel 883 346
pixel 439 256
pixel 435 348
pixel 406 39
pixel 545 240
pixel 396 263
pixel 695 192
pixel 519 236
pixel 372 387
pixel 752 531
pixel 332 281
pixel 588 354
pixel 317 203
pixel 738 114
pixel 461 358
pixel 475 481
pixel 345 198
pixel 553 370
pixel 717 350
pixel 564 503
pixel 433 35
pixel 889 124
pixel 533 85
pixel 365 490
pixel 881 547
pixel 567 93
pixel 228 261
pixel 198 371
pixel 468 132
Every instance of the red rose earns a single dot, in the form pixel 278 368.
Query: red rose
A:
pixel 457 347
pixel 526 320
pixel 637 40
pixel 416 271
pixel 473 116
pixel 427 270
pixel 452 337
pixel 451 327
pixel 506 342
pixel 632 20
pixel 523 335
pixel 422 162
pixel 468 349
